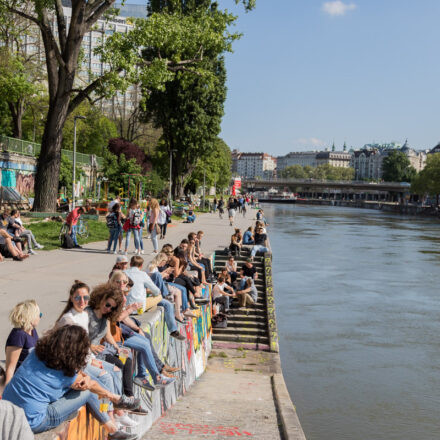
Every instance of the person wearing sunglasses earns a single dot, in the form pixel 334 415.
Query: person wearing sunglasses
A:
pixel 24 317
pixel 105 373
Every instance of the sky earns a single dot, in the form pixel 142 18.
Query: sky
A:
pixel 307 73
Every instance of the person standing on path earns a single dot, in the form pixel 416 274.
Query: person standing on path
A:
pixel 164 218
pixel 153 224
pixel 133 225
pixel 220 207
pixel 72 222
pixel 231 210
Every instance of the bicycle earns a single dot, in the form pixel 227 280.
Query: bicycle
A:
pixel 82 229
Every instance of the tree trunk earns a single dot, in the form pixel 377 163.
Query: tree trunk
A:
pixel 48 166
pixel 16 110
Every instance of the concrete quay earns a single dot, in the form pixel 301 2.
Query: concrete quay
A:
pixel 241 393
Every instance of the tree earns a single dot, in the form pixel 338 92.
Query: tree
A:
pixel 294 172
pixel 92 134
pixel 66 174
pixel 216 168
pixel 396 167
pixel 184 40
pixel 130 151
pixel 189 109
pixel 428 180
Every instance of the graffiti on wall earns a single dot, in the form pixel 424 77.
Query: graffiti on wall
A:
pixel 24 183
pixel 190 355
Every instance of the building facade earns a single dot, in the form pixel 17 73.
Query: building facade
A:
pixel 253 165
pixel 302 158
pixel 340 159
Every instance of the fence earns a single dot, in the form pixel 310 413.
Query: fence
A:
pixel 28 148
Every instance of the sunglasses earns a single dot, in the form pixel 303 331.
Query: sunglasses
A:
pixel 41 315
pixel 79 297
pixel 109 306
pixel 121 281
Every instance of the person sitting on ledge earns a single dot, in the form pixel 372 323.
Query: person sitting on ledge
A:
pixel 236 242
pixel 222 294
pixel 50 387
pixel 248 270
pixel 260 242
pixel 247 292
pixel 248 237
pixel 24 317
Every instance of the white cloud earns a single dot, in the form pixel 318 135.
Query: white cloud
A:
pixel 337 8
pixel 310 142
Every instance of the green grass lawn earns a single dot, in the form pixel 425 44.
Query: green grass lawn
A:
pixel 47 233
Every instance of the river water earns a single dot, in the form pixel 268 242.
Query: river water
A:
pixel 358 311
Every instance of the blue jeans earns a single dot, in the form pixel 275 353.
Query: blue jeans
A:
pixel 114 236
pixel 170 319
pixel 72 401
pixel 141 242
pixel 191 218
pixel 157 279
pixel 73 234
pixel 258 248
pixel 153 236
pixel 184 295
pixel 145 357
pixel 136 238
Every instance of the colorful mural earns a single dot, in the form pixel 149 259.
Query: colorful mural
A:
pixel 190 355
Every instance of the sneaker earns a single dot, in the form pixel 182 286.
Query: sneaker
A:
pixel 115 252
pixel 109 251
pixel 126 402
pixel 77 246
pixel 39 246
pixel 177 335
pixel 122 435
pixel 125 253
pixel 139 411
pixel 31 252
pixel 142 252
pixel 143 383
pixel 164 381
pixel 124 420
pixel 121 251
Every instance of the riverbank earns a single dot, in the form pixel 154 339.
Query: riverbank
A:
pixel 396 208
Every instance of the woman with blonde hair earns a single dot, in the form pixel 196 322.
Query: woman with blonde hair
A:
pixel 24 317
pixel 153 224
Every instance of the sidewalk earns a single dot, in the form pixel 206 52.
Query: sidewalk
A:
pixel 233 398
pixel 47 277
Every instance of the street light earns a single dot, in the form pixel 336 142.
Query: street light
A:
pixel 171 177
pixel 74 158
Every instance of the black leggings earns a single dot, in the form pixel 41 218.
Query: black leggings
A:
pixel 234 248
pixel 163 229
pixel 207 263
pixel 127 372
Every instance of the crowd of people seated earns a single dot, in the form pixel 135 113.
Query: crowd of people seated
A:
pixel 88 356
pixel 14 237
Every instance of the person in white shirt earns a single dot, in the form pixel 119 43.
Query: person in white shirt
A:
pixel 141 282
pixel 223 294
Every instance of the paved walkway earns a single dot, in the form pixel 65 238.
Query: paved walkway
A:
pixel 47 277
pixel 233 398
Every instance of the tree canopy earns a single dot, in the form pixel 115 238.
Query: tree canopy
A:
pixel 321 172
pixel 396 167
pixel 428 180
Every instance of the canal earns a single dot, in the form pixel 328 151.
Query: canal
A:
pixel 358 310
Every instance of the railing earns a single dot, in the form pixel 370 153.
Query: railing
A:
pixel 28 148
pixel 321 181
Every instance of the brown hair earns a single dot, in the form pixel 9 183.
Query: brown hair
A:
pixel 136 261
pixel 75 286
pixel 132 204
pixel 103 292
pixel 65 348
pixel 221 279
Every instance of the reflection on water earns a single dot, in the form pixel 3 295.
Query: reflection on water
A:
pixel 358 315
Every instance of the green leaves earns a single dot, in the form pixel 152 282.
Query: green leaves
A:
pixel 396 167
pixel 428 180
pixel 321 172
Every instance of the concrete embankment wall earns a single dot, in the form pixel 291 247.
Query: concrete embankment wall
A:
pixel 409 209
pixel 190 355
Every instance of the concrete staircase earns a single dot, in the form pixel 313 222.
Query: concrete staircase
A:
pixel 246 328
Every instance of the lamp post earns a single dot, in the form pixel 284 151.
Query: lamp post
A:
pixel 74 158
pixel 171 177
pixel 204 182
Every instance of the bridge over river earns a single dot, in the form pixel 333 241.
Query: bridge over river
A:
pixel 352 190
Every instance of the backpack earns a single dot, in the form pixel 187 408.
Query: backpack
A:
pixel 137 217
pixel 112 220
pixel 67 242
